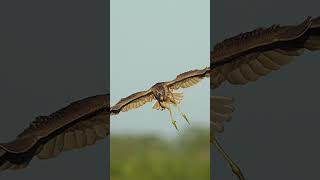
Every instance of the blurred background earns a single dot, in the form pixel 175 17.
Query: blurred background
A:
pixel 145 157
pixel 154 41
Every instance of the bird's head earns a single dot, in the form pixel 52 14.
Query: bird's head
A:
pixel 159 95
pixel 159 92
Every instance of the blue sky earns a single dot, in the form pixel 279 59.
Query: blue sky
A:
pixel 153 41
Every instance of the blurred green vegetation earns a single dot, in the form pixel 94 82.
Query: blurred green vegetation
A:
pixel 148 157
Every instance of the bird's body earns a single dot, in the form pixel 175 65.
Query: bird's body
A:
pixel 161 92
pixel 164 96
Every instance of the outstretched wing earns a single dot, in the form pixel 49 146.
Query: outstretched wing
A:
pixel 250 55
pixel 80 124
pixel 188 79
pixel 132 102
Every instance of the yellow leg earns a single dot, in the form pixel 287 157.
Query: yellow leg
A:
pixel 172 120
pixel 182 114
pixel 234 167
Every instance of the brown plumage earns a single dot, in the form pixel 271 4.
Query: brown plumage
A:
pixel 79 124
pixel 162 93
pixel 249 56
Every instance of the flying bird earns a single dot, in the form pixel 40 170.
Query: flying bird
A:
pixel 163 93
pixel 79 124
pixel 248 56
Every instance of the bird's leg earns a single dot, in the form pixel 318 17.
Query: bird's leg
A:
pixel 172 120
pixel 182 114
pixel 234 167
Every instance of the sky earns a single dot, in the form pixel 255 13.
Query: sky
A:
pixel 153 41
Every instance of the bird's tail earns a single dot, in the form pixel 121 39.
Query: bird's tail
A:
pixel 220 112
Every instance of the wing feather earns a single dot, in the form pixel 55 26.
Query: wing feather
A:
pixel 91 136
pixel 80 138
pixel 248 56
pixel 157 106
pixel 48 149
pixel 80 124
pixel 188 79
pixel 267 62
pixel 59 145
pixel 248 73
pixel 258 67
pixel 133 101
pixel 69 141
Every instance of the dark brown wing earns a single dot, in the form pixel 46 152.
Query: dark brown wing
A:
pixel 133 101
pixel 188 79
pixel 250 55
pixel 80 124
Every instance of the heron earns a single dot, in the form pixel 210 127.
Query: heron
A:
pixel 163 94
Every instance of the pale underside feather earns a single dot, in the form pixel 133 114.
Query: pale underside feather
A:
pixel 80 135
pixel 186 83
pixel 137 103
pixel 251 67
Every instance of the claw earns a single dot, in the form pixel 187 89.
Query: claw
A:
pixel 182 114
pixel 172 120
pixel 185 117
pixel 234 167
pixel 174 124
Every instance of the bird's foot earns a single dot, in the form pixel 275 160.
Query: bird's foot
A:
pixel 234 167
pixel 185 117
pixel 175 124
pixel 236 170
